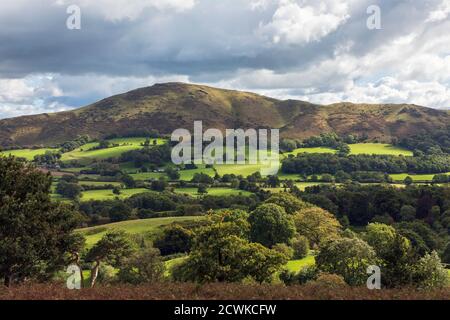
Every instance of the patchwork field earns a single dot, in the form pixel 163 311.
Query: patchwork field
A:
pixel 28 154
pixel 85 154
pixel 378 148
pixel 414 177
pixel 109 195
pixel 93 234
pixel 214 191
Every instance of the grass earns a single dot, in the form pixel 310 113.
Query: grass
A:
pixel 99 183
pixel 310 150
pixel 147 175
pixel 94 234
pixel 28 154
pixel 109 195
pixel 169 264
pixel 358 148
pixel 414 177
pixel 187 175
pixel 238 169
pixel 85 155
pixel 214 191
pixel 379 149
pixel 297 265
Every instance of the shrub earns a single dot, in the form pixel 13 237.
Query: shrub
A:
pixel 301 247
pixel 284 249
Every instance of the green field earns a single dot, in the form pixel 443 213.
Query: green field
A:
pixel 310 150
pixel 414 177
pixel 297 265
pixel 187 175
pixel 93 234
pixel 147 175
pixel 28 154
pixel 358 148
pixel 85 155
pixel 214 191
pixel 99 183
pixel 109 195
pixel 379 149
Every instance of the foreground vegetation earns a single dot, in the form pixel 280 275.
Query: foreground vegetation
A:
pixel 217 291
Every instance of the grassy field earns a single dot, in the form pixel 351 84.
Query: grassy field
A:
pixel 147 175
pixel 93 234
pixel 378 148
pixel 310 150
pixel 28 154
pixel 187 175
pixel 99 183
pixel 85 155
pixel 358 148
pixel 297 265
pixel 109 195
pixel 214 191
pixel 414 177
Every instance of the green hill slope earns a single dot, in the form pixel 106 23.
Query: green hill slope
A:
pixel 165 107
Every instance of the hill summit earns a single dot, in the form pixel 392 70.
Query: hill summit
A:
pixel 166 107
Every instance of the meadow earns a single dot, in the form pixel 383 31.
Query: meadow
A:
pixel 86 155
pixel 94 234
pixel 106 194
pixel 28 154
pixel 213 191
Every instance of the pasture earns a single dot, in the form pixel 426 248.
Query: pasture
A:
pixel 93 234
pixel 109 195
pixel 28 154
pixel 85 154
pixel 378 149
pixel 214 191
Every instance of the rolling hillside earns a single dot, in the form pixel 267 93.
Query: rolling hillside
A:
pixel 165 107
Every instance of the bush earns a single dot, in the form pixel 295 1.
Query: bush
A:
pixel 429 272
pixel 301 247
pixel 284 249
pixel 175 239
pixel 329 280
pixel 146 266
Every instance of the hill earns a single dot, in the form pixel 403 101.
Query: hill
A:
pixel 165 107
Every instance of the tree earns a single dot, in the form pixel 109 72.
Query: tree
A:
pixel 219 254
pixel 120 211
pixel 348 258
pixel 36 234
pixel 394 251
pixel 116 190
pixel 145 266
pixel 68 189
pixel 407 213
pixel 430 273
pixel 317 225
pixel 270 224
pixel 172 173
pixel 273 181
pixel 128 181
pixel 408 181
pixel 446 254
pixel 288 202
pixel 113 248
pixel 202 189
pixel 301 247
pixel 174 239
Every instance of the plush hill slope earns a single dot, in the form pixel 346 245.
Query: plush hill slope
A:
pixel 165 107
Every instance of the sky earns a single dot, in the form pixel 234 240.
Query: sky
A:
pixel 319 51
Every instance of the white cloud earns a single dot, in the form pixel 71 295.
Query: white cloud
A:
pixel 440 13
pixel 296 22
